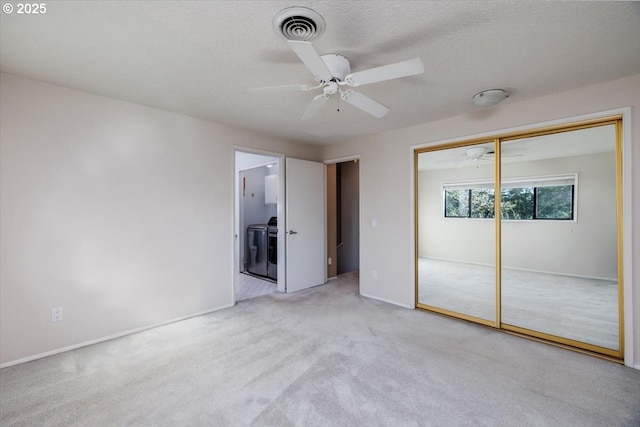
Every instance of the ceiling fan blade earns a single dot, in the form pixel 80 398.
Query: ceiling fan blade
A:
pixel 365 103
pixel 491 155
pixel 299 87
pixel 315 106
pixel 452 160
pixel 311 59
pixel 410 67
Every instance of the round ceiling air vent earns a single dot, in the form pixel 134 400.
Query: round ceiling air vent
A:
pixel 298 23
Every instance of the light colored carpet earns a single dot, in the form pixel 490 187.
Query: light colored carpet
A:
pixel 581 309
pixel 321 357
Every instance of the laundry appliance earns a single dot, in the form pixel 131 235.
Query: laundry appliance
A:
pixel 262 249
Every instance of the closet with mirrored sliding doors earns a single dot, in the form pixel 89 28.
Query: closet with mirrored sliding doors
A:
pixel 523 232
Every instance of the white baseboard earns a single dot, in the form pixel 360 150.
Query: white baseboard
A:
pixel 387 301
pixel 106 338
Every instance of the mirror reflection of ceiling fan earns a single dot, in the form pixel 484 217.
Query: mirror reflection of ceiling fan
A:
pixel 333 75
pixel 476 155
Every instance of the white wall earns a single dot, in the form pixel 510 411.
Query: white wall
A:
pixel 466 240
pixel 250 160
pixel 119 213
pixel 586 247
pixel 386 179
pixel 255 210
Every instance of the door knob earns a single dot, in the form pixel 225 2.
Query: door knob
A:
pixel 293 232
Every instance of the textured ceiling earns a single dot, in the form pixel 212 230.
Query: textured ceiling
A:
pixel 199 57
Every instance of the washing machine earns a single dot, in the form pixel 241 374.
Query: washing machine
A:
pixel 256 250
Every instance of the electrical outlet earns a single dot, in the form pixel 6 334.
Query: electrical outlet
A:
pixel 374 274
pixel 56 314
pixel 329 261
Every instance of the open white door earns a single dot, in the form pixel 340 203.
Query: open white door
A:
pixel 305 224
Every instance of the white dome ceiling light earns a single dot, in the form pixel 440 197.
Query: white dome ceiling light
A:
pixel 298 23
pixel 489 98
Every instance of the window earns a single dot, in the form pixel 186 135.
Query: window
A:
pixel 541 198
pixel 482 203
pixel 456 203
pixel 469 203
pixel 554 202
pixel 517 202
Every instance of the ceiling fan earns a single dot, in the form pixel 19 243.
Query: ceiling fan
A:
pixel 477 154
pixel 333 73
pixel 486 153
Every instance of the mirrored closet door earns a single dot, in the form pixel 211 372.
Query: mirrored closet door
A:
pixel 456 234
pixel 559 236
pixel 523 233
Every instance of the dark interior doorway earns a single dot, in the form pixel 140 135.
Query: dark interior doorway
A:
pixel 343 218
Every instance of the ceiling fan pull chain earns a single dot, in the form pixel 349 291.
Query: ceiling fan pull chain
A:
pixel 338 101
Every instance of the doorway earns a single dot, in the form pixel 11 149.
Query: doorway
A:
pixel 292 255
pixel 343 218
pixel 256 218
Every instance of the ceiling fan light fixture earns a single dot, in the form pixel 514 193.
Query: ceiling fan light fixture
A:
pixel 489 98
pixel 298 23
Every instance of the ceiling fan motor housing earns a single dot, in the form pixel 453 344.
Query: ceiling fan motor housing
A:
pixel 339 65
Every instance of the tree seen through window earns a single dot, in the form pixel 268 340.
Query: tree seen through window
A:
pixel 517 203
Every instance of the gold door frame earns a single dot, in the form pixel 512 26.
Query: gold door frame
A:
pixel 615 355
